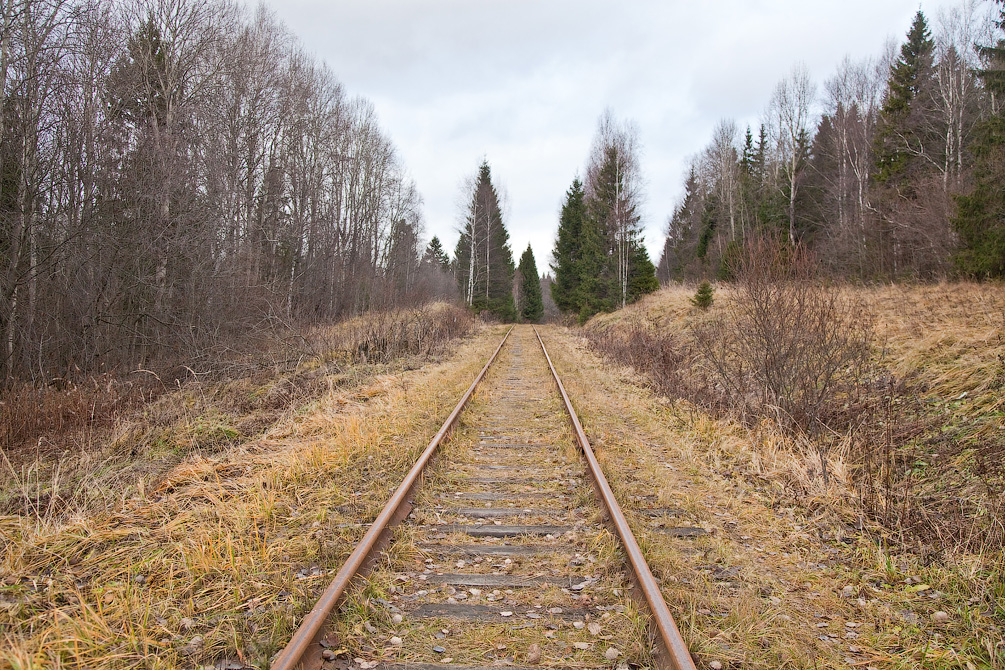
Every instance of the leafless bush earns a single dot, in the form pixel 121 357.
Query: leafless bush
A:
pixel 785 346
pixel 782 345
pixel 665 357
pixel 788 346
pixel 378 337
pixel 42 416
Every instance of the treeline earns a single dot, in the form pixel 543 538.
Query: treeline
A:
pixel 600 260
pixel 174 173
pixel 898 177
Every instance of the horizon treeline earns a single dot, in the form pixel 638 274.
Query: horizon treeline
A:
pixel 176 173
pixel 898 176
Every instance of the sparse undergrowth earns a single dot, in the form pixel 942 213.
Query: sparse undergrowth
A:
pixel 70 446
pixel 199 528
pixel 917 483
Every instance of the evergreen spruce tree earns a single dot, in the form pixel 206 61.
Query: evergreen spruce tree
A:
pixel 611 216
pixel 626 272
pixel 682 232
pixel 980 219
pixel 901 130
pixel 484 262
pixel 531 304
pixel 567 262
pixel 402 257
pixel 435 255
pixel 600 261
pixel 595 287
pixel 703 296
pixel 642 274
pixel 747 160
pixel 707 225
pixel 667 263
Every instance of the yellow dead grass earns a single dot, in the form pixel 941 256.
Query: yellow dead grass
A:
pixel 220 559
pixel 781 580
pixel 948 341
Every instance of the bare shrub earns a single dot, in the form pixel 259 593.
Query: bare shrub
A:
pixel 915 426
pixel 665 357
pixel 379 337
pixel 788 346
pixel 784 345
pixel 41 415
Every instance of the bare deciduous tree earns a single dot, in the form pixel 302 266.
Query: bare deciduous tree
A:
pixel 174 172
pixel 789 118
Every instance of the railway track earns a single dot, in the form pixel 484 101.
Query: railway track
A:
pixel 513 551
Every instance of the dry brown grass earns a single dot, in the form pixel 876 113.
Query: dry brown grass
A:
pixel 781 580
pixel 384 336
pixel 937 422
pixel 217 555
pixel 71 447
pixel 917 433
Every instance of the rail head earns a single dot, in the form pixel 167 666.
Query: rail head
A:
pixel 675 651
pixel 293 654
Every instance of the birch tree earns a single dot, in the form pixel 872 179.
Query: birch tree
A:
pixel 789 111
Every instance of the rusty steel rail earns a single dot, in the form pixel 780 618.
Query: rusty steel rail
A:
pixel 292 656
pixel 674 649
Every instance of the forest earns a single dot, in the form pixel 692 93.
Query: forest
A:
pixel 178 176
pixel 600 261
pixel 226 333
pixel 898 177
pixel 175 175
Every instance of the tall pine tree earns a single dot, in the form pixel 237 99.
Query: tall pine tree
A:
pixel 567 254
pixel 531 304
pixel 612 212
pixel 901 132
pixel 600 261
pixel 980 219
pixel 483 256
pixel 681 232
pixel 435 255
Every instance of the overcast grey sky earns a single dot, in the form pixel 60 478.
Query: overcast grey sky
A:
pixel 523 83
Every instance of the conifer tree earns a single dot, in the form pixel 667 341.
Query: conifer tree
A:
pixel 642 274
pixel 596 289
pixel 683 229
pixel 900 132
pixel 980 221
pixel 612 213
pixel 531 304
pixel 402 257
pixel 567 254
pixel 435 255
pixel 484 260
pixel 600 261
pixel 703 297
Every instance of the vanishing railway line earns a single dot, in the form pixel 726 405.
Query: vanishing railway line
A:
pixel 511 553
